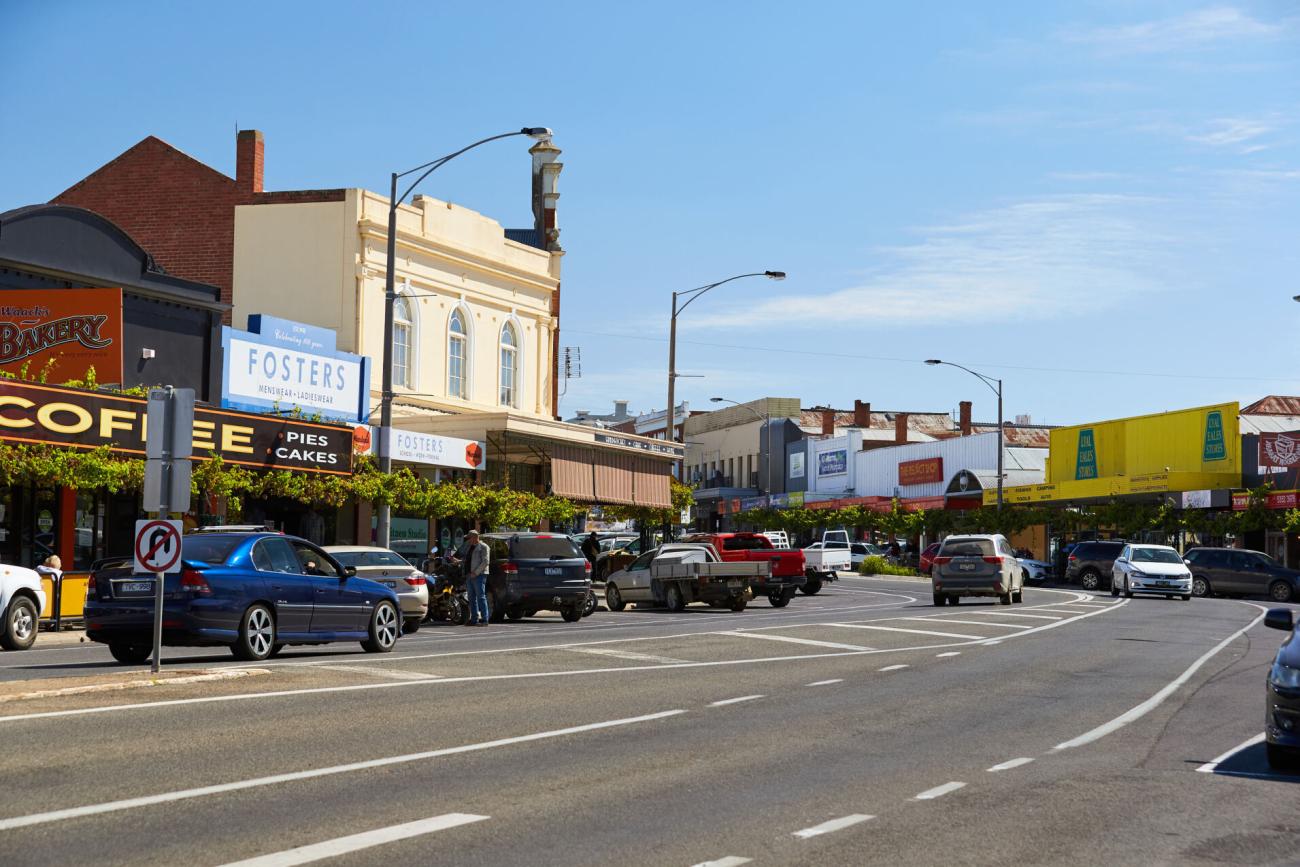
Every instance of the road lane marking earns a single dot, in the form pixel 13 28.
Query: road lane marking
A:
pixel 726 701
pixel 1009 764
pixel 949 653
pixel 729 861
pixel 833 825
pixel 627 654
pixel 357 842
pixel 939 791
pixel 1213 765
pixel 793 640
pixel 1014 614
pixel 379 672
pixel 892 668
pixel 900 629
pixel 294 776
pixel 825 682
pixel 1141 710
pixel 940 619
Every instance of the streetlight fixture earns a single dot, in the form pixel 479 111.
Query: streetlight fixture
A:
pixel 767 424
pixel 690 295
pixel 996 386
pixel 384 522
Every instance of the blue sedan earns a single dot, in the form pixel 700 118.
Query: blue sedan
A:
pixel 253 592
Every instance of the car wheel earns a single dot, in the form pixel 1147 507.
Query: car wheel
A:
pixel 383 629
pixel 1018 596
pixel 1187 597
pixel 1279 758
pixel 953 600
pixel 738 603
pixel 939 599
pixel 572 614
pixel 1004 598
pixel 21 622
pixel 780 598
pixel 673 598
pixel 1090 581
pixel 256 635
pixel 1200 587
pixel 275 650
pixel 496 614
pixel 589 604
pixel 411 625
pixel 130 654
pixel 1279 591
pixel 515 614
pixel 812 585
pixel 613 598
pixel 1024 576
pixel 1128 590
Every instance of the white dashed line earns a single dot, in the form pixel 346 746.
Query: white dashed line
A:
pixel 938 791
pixel 735 700
pixel 379 672
pixel 1014 614
pixel 357 842
pixel 912 631
pixel 892 668
pixel 832 825
pixel 1009 764
pixel 1211 766
pixel 729 861
pixel 627 654
pixel 825 682
pixel 969 622
pixel 949 653
pixel 792 640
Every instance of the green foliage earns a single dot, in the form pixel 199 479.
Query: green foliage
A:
pixel 880 566
pixel 649 517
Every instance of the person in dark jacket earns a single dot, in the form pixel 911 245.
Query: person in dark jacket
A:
pixel 591 548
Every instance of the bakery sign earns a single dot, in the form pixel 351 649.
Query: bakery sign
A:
pixel 60 334
pixel 920 472
pixel 50 415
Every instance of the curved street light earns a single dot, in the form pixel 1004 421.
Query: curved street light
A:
pixel 539 133
pixel 767 425
pixel 996 386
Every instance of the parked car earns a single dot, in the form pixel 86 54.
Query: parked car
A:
pixel 859 551
pixel 824 560
pixel 1282 694
pixel 926 561
pixel 392 570
pixel 677 574
pixel 21 599
pixel 253 592
pixel 531 572
pixel 1150 569
pixel 1090 564
pixel 1035 571
pixel 1236 572
pixel 787 572
pixel 981 565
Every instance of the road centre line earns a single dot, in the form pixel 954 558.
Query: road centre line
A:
pixel 939 791
pixel 825 682
pixel 729 861
pixel 893 668
pixel 51 816
pixel 949 653
pixel 727 701
pixel 1009 764
pixel 1141 710
pixel 800 658
pixel 832 825
pixel 941 619
pixel 357 842
pixel 792 640
pixel 900 629
pixel 1213 765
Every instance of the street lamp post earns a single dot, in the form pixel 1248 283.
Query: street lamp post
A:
pixel 996 386
pixel 384 523
pixel 766 418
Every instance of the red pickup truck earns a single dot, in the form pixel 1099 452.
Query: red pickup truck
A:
pixel 787 563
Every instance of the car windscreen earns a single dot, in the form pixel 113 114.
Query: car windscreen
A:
pixel 544 548
pixel 1156 555
pixel 213 550
pixel 968 548
pixel 746 543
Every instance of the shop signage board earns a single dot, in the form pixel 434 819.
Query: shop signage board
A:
pixel 70 330
pixel 833 462
pixel 422 448
pixel 1274 500
pixel 1279 449
pixel 31 413
pixel 796 465
pixel 628 443
pixel 920 472
pixel 289 365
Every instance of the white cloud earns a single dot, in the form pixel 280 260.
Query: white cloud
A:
pixel 1193 30
pixel 1229 131
pixel 1042 259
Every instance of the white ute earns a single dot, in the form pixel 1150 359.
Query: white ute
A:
pixel 825 559
pixel 21 600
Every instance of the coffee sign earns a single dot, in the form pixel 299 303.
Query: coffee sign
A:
pixel 68 331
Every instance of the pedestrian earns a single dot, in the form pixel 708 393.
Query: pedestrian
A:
pixel 477 560
pixel 52 568
pixel 591 547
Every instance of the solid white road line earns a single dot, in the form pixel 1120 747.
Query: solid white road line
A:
pixel 1213 765
pixel 735 700
pixel 938 791
pixel 1156 700
pixel 729 861
pixel 825 682
pixel 1013 614
pixel 949 653
pixel 627 654
pixel 938 619
pixel 792 640
pixel 892 668
pixel 381 672
pixel 1010 763
pixel 294 776
pixel 357 842
pixel 900 629
pixel 832 825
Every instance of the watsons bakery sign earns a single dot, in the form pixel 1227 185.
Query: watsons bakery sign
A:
pixel 280 365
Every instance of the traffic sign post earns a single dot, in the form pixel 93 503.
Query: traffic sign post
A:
pixel 169 442
pixel 157 550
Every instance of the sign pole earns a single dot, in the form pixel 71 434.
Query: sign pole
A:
pixel 156 665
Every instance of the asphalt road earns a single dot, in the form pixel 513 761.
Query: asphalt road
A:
pixel 860 726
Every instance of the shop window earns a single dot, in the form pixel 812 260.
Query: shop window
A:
pixel 89 530
pixel 457 356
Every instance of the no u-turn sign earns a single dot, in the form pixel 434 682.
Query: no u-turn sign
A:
pixel 158 546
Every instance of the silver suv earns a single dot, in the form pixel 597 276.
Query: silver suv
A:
pixel 976 566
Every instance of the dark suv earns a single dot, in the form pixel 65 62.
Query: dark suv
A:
pixel 533 572
pixel 1090 563
pixel 1235 572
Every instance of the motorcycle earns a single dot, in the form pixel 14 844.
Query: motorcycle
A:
pixel 448 601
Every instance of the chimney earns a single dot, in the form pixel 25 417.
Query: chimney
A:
pixel 900 427
pixel 965 417
pixel 546 177
pixel 861 414
pixel 828 422
pixel 248 161
pixel 620 409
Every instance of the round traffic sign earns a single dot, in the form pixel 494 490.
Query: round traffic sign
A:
pixel 158 546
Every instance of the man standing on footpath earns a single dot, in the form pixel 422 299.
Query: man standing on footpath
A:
pixel 477 557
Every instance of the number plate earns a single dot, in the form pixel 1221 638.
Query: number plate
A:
pixel 137 586
pixel 390 583
pixel 553 571
pixel 966 567
pixel 735 583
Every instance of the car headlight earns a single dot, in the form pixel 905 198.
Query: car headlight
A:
pixel 1137 573
pixel 1284 676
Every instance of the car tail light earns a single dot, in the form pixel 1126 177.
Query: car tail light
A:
pixel 1074 558
pixel 586 565
pixel 942 561
pixel 90 587
pixel 192 581
pixel 417 580
pixel 510 568
pixel 996 561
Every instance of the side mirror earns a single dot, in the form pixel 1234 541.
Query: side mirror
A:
pixel 349 571
pixel 1279 618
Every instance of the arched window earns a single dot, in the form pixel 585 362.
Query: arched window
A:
pixel 403 343
pixel 509 366
pixel 457 354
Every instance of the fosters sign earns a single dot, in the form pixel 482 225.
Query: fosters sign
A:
pixel 68 330
pixel 87 420
pixel 423 448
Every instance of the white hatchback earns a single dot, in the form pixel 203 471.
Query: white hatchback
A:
pixel 21 599
pixel 1150 569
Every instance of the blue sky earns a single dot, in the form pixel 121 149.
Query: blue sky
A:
pixel 1096 202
